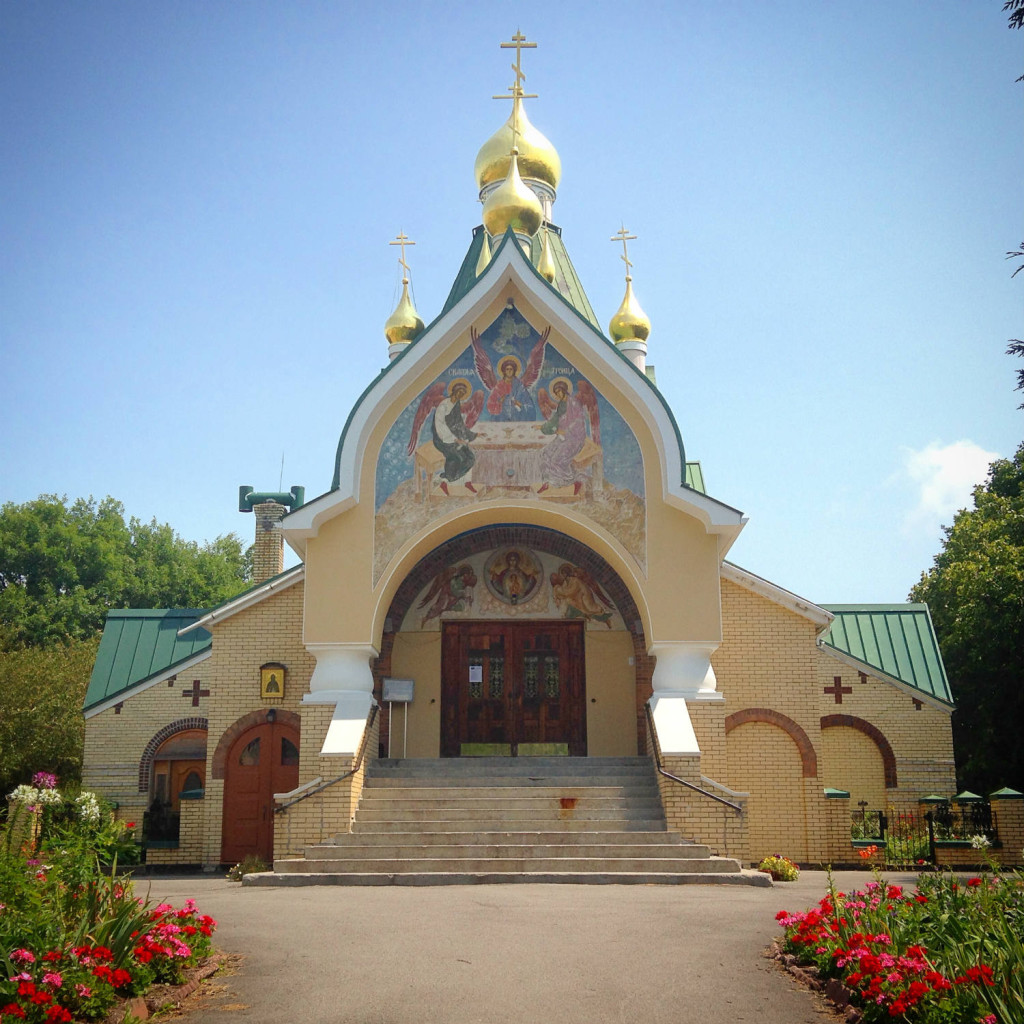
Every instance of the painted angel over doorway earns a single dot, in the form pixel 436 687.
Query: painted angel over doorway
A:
pixel 508 396
pixel 567 416
pixel 575 590
pixel 455 410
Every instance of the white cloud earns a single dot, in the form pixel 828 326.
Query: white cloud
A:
pixel 944 477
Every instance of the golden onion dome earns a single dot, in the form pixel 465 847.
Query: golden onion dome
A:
pixel 630 323
pixel 537 157
pixel 513 205
pixel 404 325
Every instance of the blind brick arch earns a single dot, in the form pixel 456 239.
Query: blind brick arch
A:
pixel 875 735
pixel 808 758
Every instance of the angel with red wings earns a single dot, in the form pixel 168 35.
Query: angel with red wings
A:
pixel 455 410
pixel 566 417
pixel 509 398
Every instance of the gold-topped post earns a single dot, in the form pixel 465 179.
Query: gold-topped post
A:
pixel 630 327
pixel 404 324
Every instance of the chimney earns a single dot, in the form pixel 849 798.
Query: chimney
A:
pixel 268 548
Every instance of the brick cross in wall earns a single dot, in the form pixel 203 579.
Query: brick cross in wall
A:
pixel 917 703
pixel 195 693
pixel 837 689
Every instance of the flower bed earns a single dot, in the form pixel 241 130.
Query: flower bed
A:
pixel 948 952
pixel 74 939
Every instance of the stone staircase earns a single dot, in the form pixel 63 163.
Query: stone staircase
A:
pixel 458 821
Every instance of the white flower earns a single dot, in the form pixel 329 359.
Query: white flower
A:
pixel 88 807
pixel 980 842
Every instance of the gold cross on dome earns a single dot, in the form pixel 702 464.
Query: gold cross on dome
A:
pixel 622 236
pixel 519 43
pixel 402 239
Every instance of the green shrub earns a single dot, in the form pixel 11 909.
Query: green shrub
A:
pixel 782 869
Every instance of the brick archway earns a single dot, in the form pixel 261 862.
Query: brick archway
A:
pixel 538 538
pixel 233 731
pixel 808 758
pixel 146 761
pixel 875 735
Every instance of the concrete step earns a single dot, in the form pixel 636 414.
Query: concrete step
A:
pixel 438 864
pixel 501 824
pixel 507 800
pixel 287 878
pixel 526 767
pixel 511 815
pixel 636 780
pixel 345 852
pixel 469 838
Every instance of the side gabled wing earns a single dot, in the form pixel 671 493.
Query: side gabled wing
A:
pixel 536 360
pixel 588 396
pixel 471 410
pixel 547 407
pixel 432 398
pixel 481 361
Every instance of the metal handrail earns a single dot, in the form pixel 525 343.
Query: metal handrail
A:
pixel 675 778
pixel 356 765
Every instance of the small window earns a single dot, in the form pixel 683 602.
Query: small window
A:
pixel 289 752
pixel 192 781
pixel 251 754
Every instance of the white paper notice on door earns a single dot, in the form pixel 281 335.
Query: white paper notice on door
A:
pixel 476 673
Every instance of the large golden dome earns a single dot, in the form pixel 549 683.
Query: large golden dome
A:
pixel 513 205
pixel 537 157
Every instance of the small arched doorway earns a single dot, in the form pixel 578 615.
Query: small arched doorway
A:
pixel 262 761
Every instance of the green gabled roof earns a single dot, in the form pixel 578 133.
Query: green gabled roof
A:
pixel 567 282
pixel 695 477
pixel 138 644
pixel 896 639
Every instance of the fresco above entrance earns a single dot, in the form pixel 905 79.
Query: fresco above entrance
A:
pixel 511 417
pixel 512 583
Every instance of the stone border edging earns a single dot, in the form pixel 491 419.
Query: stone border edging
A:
pixel 831 988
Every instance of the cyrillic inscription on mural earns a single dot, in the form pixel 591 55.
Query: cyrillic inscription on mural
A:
pixel 510 418
pixel 512 582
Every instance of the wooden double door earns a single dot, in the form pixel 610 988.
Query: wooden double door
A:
pixel 513 689
pixel 263 761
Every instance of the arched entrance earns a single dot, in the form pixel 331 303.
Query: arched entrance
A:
pixel 260 762
pixel 522 641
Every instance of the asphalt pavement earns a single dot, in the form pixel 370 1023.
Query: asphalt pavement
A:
pixel 501 954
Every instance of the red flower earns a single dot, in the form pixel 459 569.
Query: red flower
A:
pixel 131 824
pixel 26 988
pixel 12 1010
pixel 58 1015
pixel 973 883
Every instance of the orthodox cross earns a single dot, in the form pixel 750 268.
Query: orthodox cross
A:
pixel 917 703
pixel 402 239
pixel 837 689
pixel 516 91
pixel 623 236
pixel 195 692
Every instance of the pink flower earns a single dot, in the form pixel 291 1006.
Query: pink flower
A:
pixel 83 991
pixel 23 956
pixel 53 979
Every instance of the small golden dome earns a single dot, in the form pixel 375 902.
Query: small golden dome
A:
pixel 630 323
pixel 513 205
pixel 546 263
pixel 537 157
pixel 404 325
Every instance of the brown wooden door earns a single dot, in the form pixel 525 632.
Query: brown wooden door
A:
pixel 513 688
pixel 263 761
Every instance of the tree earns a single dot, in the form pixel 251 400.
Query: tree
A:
pixel 975 590
pixel 64 566
pixel 1016 348
pixel 41 727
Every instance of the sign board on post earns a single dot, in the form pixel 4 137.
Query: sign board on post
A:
pixel 398 691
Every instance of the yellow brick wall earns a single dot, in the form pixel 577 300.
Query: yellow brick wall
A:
pixel 270 631
pixel 851 761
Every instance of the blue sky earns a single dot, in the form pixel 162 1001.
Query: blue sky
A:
pixel 196 201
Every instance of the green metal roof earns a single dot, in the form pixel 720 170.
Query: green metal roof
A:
pixel 695 477
pixel 897 639
pixel 567 282
pixel 140 643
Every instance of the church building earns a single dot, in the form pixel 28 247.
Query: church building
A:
pixel 515 568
